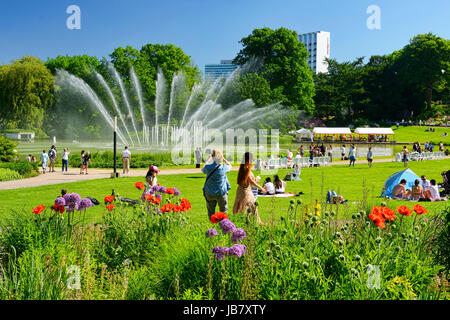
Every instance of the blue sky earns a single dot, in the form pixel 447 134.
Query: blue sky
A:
pixel 209 30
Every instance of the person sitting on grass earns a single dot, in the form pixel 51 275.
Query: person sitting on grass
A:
pixel 399 191
pixel 270 188
pixel 416 191
pixel 432 193
pixel 280 185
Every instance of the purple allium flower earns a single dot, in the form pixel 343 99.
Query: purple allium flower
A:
pixel 144 194
pixel 220 252
pixel 177 192
pixel 155 188
pixel 60 201
pixel 72 200
pixel 211 233
pixel 162 189
pixel 238 235
pixel 85 203
pixel 237 250
pixel 158 196
pixel 227 226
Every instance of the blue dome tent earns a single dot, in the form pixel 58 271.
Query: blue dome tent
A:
pixel 390 183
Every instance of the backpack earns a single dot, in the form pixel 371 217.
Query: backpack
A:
pixel 51 153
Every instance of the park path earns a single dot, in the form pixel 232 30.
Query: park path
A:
pixel 73 175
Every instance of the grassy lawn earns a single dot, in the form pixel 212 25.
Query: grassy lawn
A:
pixel 415 133
pixel 316 182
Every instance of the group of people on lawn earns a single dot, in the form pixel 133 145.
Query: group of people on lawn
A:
pixel 424 190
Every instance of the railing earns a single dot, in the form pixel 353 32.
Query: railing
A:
pixel 416 156
pixel 301 162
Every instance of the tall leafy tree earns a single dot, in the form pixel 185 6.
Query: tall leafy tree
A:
pixel 285 65
pixel 422 62
pixel 26 91
pixel 340 92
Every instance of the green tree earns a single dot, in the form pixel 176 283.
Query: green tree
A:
pixel 285 65
pixel 340 92
pixel 80 66
pixel 26 91
pixel 257 88
pixel 7 149
pixel 422 62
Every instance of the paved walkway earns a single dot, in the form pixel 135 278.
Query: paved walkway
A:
pixel 73 175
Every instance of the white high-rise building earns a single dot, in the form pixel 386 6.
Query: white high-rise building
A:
pixel 318 46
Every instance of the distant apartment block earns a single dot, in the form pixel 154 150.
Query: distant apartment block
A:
pixel 222 70
pixel 318 46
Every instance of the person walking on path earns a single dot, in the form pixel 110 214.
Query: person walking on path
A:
pixel 126 158
pixel 244 196
pixel 343 152
pixel 370 157
pixel 85 158
pixel 52 158
pixel 198 157
pixel 216 185
pixel 65 159
pixel 330 152
pixel 44 161
pixel 352 156
pixel 405 156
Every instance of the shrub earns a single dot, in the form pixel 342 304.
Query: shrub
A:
pixel 24 168
pixel 138 160
pixel 7 174
pixel 7 149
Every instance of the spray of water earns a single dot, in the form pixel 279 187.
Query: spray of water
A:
pixel 125 98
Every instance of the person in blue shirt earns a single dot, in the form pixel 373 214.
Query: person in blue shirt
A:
pixel 44 161
pixel 216 185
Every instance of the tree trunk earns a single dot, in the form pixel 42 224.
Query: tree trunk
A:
pixel 429 95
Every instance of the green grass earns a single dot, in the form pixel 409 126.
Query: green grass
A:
pixel 316 182
pixel 415 133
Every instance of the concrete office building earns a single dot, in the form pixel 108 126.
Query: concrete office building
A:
pixel 222 70
pixel 318 46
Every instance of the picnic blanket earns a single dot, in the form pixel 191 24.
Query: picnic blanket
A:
pixel 277 195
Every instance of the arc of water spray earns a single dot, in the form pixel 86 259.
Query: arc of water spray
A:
pixel 159 99
pixel 172 97
pixel 137 88
pixel 195 88
pixel 125 98
pixel 261 111
pixel 105 85
pixel 79 84
pixel 264 114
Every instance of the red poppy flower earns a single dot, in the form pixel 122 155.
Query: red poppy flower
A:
pixel 110 207
pixel 379 214
pixel 404 211
pixel 388 214
pixel 109 199
pixel 140 185
pixel 156 201
pixel 170 191
pixel 419 209
pixel 218 216
pixel 39 209
pixel 380 224
pixel 58 208
pixel 185 204
pixel 149 197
